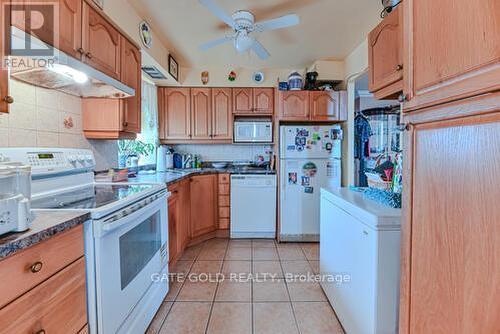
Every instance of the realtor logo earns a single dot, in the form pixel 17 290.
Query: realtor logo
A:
pixel 30 30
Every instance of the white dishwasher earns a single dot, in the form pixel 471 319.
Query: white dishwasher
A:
pixel 253 206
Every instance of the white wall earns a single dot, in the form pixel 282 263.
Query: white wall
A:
pixel 356 64
pixel 357 61
pixel 328 70
pixel 36 119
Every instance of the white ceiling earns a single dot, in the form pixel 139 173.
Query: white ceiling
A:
pixel 329 29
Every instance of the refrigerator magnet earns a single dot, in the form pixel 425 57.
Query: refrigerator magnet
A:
pixel 290 148
pixel 337 134
pixel 292 178
pixel 306 181
pixel 309 190
pixel 310 169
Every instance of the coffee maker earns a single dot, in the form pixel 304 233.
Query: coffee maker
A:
pixel 15 196
pixel 311 78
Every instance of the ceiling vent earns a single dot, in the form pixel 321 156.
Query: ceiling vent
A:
pixel 153 72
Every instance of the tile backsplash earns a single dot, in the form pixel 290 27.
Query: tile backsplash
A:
pixel 224 152
pixel 37 119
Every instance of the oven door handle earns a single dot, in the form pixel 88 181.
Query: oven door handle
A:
pixel 130 214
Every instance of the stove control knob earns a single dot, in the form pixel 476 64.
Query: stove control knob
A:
pixel 72 159
pixel 89 158
pixel 80 158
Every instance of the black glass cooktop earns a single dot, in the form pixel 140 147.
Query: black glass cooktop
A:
pixel 91 197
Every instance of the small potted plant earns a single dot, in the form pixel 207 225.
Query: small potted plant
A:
pixel 130 148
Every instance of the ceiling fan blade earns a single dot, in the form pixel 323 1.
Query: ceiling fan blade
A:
pixel 278 23
pixel 211 44
pixel 260 50
pixel 219 12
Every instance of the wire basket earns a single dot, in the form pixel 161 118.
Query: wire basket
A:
pixel 375 181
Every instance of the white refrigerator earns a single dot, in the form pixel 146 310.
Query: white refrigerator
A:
pixel 310 158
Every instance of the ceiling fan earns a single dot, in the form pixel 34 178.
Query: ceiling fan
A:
pixel 243 23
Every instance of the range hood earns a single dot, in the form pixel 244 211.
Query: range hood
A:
pixel 61 72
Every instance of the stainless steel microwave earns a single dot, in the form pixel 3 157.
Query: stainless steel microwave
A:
pixel 253 131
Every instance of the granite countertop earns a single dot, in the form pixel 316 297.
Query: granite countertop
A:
pixel 176 175
pixel 45 225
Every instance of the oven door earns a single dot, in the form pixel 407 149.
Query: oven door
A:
pixel 130 248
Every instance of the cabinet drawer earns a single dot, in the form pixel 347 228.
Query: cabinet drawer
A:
pixel 58 305
pixel 223 189
pixel 223 178
pixel 224 212
pixel 22 271
pixel 224 223
pixel 224 200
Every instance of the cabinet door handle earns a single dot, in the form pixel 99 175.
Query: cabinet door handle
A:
pixel 399 67
pixel 41 331
pixel 36 267
pixel 8 99
pixel 125 123
pixel 89 55
pixel 80 50
pixel 402 98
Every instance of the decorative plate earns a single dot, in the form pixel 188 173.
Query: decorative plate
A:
pixel 258 77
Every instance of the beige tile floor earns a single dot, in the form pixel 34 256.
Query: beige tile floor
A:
pixel 255 296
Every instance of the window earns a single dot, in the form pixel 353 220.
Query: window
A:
pixel 142 151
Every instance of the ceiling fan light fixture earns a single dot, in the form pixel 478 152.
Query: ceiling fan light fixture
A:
pixel 243 42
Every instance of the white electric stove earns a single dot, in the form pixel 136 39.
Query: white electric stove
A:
pixel 126 239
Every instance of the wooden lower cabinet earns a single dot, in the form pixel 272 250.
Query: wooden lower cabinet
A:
pixel 224 201
pixel 58 305
pixel 203 205
pixel 179 212
pixel 52 255
pixel 451 230
pixel 44 287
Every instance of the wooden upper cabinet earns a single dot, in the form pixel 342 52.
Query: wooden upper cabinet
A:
pixel 243 101
pixel 263 100
pixel 203 204
pixel 4 73
pixel 385 55
pixel 70 27
pixel 201 113
pixel 174 113
pixel 325 106
pixel 450 53
pixel 222 109
pixel 131 76
pixel 66 34
pixel 101 43
pixel 294 105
